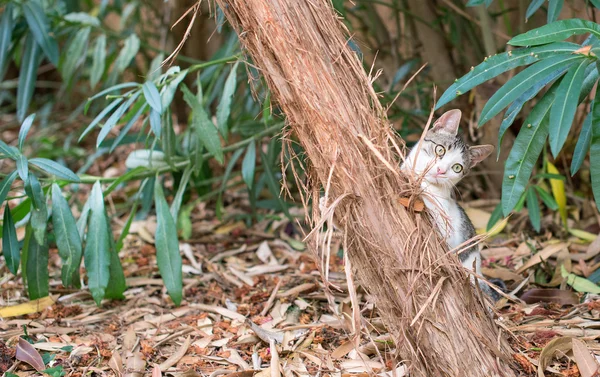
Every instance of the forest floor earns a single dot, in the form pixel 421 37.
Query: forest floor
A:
pixel 248 289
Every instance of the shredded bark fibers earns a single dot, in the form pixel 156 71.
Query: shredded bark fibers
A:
pixel 439 325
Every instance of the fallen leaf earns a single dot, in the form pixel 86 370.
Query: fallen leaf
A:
pixel 558 191
pixel 585 50
pixel 174 358
pixel 555 345
pixel 559 296
pixel 116 363
pixel 578 283
pixel 543 255
pixel 583 235
pixel 28 354
pixel 588 367
pixel 156 372
pixel 30 307
pixel 501 273
pixel 478 217
pixel 136 365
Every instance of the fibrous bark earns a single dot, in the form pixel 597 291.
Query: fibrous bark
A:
pixel 439 326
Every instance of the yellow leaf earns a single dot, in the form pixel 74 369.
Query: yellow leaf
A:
pixel 28 307
pixel 558 191
pixel 583 235
pixel 496 229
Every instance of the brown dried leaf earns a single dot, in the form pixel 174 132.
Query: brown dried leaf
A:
pixel 543 255
pixel 560 296
pixel 588 367
pixel 129 340
pixel 174 358
pixel 501 273
pixel 136 364
pixel 28 354
pixel 556 345
pixel 156 372
pixel 116 363
pixel 417 204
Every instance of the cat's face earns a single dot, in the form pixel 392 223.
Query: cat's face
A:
pixel 444 159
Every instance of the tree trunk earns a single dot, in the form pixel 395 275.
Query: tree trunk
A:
pixel 439 326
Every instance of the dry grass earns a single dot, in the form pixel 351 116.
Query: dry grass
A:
pixel 441 328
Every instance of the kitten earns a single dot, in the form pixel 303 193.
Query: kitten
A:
pixel 442 159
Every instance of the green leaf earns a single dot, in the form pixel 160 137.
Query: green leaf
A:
pixel 55 169
pixel 55 371
pixel 152 96
pixel 495 217
pixel 6 184
pixel 9 151
pixel 67 239
pixel 24 130
pixel 10 243
pixel 39 26
pixel 595 150
pixel 525 152
pixel 39 211
pixel 113 88
pixel 205 130
pixel 583 144
pixel 185 179
pixel 6 28
pixel 169 90
pixel 596 4
pixel 556 31
pixel 116 284
pixel 99 60
pixel 533 207
pixel 168 139
pixel 273 184
pixel 578 283
pixel 75 55
pixel 501 63
pixel 36 265
pixel 27 76
pixel 547 198
pixel 533 7
pixel 83 220
pixel 100 116
pixel 97 252
pixel 114 118
pixel 167 246
pixel 249 164
pixel 155 123
pixel 125 130
pixel 522 82
pixel 82 18
pixel 565 105
pixel 554 8
pixel 155 67
pixel 130 49
pixel 22 168
pixel 224 108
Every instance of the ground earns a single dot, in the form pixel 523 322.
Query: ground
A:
pixel 254 300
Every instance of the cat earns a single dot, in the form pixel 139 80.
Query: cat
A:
pixel 442 159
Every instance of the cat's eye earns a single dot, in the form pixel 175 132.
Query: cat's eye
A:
pixel 457 168
pixel 440 150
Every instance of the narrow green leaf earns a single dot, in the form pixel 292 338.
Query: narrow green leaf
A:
pixel 167 246
pixel 99 60
pixel 273 184
pixel 116 284
pixel 583 144
pixel 501 63
pixel 185 179
pixel 100 116
pixel 67 239
pixel 230 165
pixel 155 123
pixel 6 184
pixel 75 54
pixel 40 28
pixel 39 210
pixel 24 130
pixel 578 283
pixel 82 18
pixel 169 90
pixel 114 118
pixel 554 8
pixel 128 52
pixel 522 82
pixel 168 139
pixel 596 4
pixel 113 88
pixel 224 108
pixel 495 217
pixel 249 164
pixel 155 67
pixel 127 227
pixel 22 168
pixel 533 207
pixel 525 152
pixel 595 150
pixel 533 7
pixel 125 130
pixel 565 105
pixel 10 243
pixel 152 96
pixel 9 151
pixel 547 198
pixel 34 191
pixel 55 169
pixel 97 252
pixel 556 31
pixel 6 28
pixel 27 76
pixel 83 220
pixel 205 130
pixel 36 266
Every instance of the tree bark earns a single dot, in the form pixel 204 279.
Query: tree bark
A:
pixel 425 299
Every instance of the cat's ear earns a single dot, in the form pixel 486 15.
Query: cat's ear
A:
pixel 479 153
pixel 448 123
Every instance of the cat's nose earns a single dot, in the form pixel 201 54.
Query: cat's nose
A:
pixel 441 170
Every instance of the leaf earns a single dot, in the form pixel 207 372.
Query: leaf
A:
pixel 27 76
pixel 595 150
pixel 67 239
pixel 76 54
pixel 6 184
pixel 37 263
pixel 168 139
pixel 565 105
pixel 33 189
pixel 560 344
pixel 116 283
pixel 114 118
pixel 556 31
pixel 152 96
pixel 525 152
pixel 30 307
pixel 532 8
pixel 127 53
pixel 273 184
pixel 22 168
pixel 82 18
pixel 501 63
pixel 83 219
pixel 224 107
pixel 236 155
pixel 495 217
pixel 167 246
pixel 55 371
pixel 24 130
pixel 100 116
pixel 547 198
pixel 113 88
pixel 522 82
pixel 39 212
pixel 583 235
pixel 97 254
pixel 10 243
pixel 168 91
pixel 176 205
pixel 595 3
pixel 155 67
pixel 8 151
pixel 99 60
pixel 543 255
pixel 39 26
pixel 554 8
pixel 533 207
pixel 7 25
pixel 150 159
pixel 155 123
pixel 28 354
pixel 578 283
pixel 249 165
pixel 558 191
pixel 204 128
pixel 560 296
pixel 586 362
pixel 583 144
pixel 55 169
